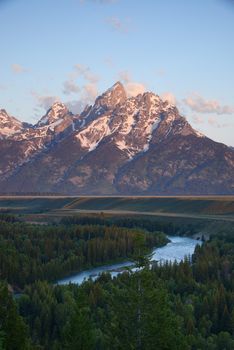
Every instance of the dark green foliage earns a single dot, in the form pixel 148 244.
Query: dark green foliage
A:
pixel 149 224
pixel 185 306
pixel 142 315
pixel 33 252
pixel 174 306
pixel 79 334
pixel 7 217
pixel 13 331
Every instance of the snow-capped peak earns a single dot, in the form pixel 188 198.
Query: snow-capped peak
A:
pixel 117 86
pixel 57 107
pixel 112 97
pixel 108 101
pixel 131 122
pixel 8 124
pixel 57 112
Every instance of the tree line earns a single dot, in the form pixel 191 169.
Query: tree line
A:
pixel 184 306
pixel 36 252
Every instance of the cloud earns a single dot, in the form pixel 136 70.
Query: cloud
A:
pixel 47 101
pixel 75 106
pixel 88 94
pixel 90 91
pixel 170 97
pixel 125 76
pixel 199 104
pixel 132 88
pixel 213 122
pixel 118 25
pixel 18 69
pixel 225 125
pixel 80 71
pixel 197 119
pixel 86 91
pixel 70 87
pixel 85 72
pixel 44 101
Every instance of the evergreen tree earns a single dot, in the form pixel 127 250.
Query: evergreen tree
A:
pixel 79 332
pixel 13 329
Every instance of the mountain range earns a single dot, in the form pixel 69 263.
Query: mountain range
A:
pixel 118 146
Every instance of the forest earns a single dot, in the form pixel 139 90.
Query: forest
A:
pixel 186 305
pixel 48 252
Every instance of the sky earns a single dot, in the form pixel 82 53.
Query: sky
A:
pixel 73 50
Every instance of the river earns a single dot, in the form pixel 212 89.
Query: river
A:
pixel 176 249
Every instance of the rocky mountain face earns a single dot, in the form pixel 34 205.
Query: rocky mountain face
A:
pixel 139 145
pixel 21 141
pixel 8 125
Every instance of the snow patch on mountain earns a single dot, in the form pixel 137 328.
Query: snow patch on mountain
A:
pixel 56 112
pixel 94 133
pixel 9 125
pixel 198 133
pixel 149 132
pixel 131 125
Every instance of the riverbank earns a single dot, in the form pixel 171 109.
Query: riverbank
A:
pixel 175 250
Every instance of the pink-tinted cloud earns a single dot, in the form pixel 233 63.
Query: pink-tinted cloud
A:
pixel 199 104
pixel 212 121
pixel 87 89
pixel 90 91
pixel 18 69
pixel 75 106
pixel 70 87
pixel 132 87
pixel 216 123
pixel 170 97
pixel 44 101
pixel 125 76
pixel 85 72
pixel 87 95
pixel 197 119
pixel 47 101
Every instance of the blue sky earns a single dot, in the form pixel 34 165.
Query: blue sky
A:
pixel 72 50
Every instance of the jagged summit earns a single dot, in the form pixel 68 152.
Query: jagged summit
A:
pixel 55 114
pixel 117 86
pixel 112 97
pixel 9 125
pixel 109 100
pixel 120 145
pixel 2 112
pixel 57 105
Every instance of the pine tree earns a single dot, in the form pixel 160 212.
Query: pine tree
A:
pixel 13 329
pixel 79 333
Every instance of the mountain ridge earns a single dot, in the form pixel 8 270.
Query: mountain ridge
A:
pixel 120 145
